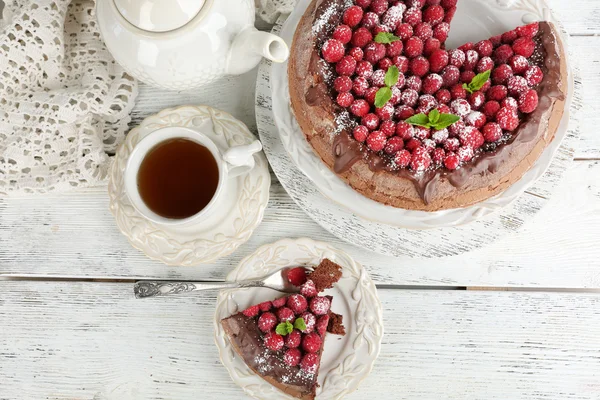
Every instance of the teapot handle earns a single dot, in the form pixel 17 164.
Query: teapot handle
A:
pixel 250 46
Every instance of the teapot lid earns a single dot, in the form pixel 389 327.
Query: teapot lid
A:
pixel 159 15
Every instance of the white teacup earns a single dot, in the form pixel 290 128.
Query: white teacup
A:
pixel 232 162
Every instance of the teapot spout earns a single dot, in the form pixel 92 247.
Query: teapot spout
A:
pixel 250 46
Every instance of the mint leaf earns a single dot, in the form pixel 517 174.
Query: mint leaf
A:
pixel 391 76
pixel 467 87
pixel 419 120
pixel 386 38
pixel 300 324
pixel 434 116
pixel 477 82
pixel 382 96
pixel 284 328
pixel 444 121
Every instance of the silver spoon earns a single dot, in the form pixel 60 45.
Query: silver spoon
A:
pixel 276 281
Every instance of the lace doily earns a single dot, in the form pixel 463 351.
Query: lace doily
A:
pixel 64 102
pixel 270 10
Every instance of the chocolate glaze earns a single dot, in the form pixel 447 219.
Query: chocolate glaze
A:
pixel 348 151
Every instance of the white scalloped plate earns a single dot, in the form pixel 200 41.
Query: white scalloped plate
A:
pixel 469 24
pixel 231 225
pixel 346 360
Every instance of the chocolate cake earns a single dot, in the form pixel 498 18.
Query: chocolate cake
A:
pixel 506 96
pixel 282 340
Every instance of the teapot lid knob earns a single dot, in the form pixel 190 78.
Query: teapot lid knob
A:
pixel 158 15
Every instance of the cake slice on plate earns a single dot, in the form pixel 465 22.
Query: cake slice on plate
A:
pixel 282 340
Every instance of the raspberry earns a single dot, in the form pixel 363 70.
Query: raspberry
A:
pixel 371 121
pixel 484 48
pixel 511 103
pixel 421 133
pixel 402 158
pixel 360 133
pixel 311 343
pixel 416 3
pixel 476 119
pixel 507 119
pixel 320 305
pixel 293 339
pixel 370 95
pixel 421 160
pixel 451 161
pixel 449 14
pixel 378 78
pixel 267 321
pixel 396 95
pixel 333 50
pixel 486 86
pixel 394 49
pixel 309 289
pixel 309 320
pixel 534 75
pixel 384 63
pixel 265 306
pixel 413 16
pixel 438 156
pixel 404 31
pixel 430 46
pixel 297 303
pixel 440 136
pixel 465 153
pixel 433 14
pixel 359 86
pixel 353 16
pixel 388 128
pixel 394 145
pixel 444 109
pixel 356 53
pixel 492 132
pixel 346 66
pixel 285 314
pixel 413 47
pixel 292 357
pixel 503 53
pixel 414 83
pixel 524 46
pixel 379 6
pixel 509 37
pixel 452 144
pixel 458 92
pixel 497 93
pixel 456 128
pixel 342 84
pixel 460 107
pixel 427 102
pixel 517 85
pixel 419 66
pixel 450 75
pixel 393 16
pixel 380 28
pixel 359 107
pixel 374 52
pixel 279 302
pixel 432 83
pixel 370 20
pixel 441 31
pixel 404 112
pixel 344 99
pixel 363 3
pixel 429 145
pixel 528 30
pixel 501 74
pixel 343 33
pixel 496 40
pixel 322 324
pixel 449 3
pixel 423 31
pixel 310 363
pixel 476 100
pixel 361 37
pixel 364 69
pixel 443 96
pixel 471 59
pixel 401 62
pixel 471 137
pixel 438 60
pixel 467 46
pixel 376 142
pixel 386 112
pixel 490 109
pixel 404 130
pixel 251 311
pixel 457 57
pixel 528 101
pixel 485 64
pixel 467 76
pixel 273 341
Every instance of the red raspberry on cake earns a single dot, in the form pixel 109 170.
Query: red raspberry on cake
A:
pixel 519 64
pixel 413 16
pixel 363 3
pixel 507 118
pixel 379 6
pixel 311 343
pixel 485 48
pixel 471 137
pixel 267 321
pixel 393 16
pixel 440 136
pixel 444 109
pixel 401 62
pixel 333 50
pixel 292 357
pixel 534 75
pixel 509 37
pixel 402 158
pixel 345 99
pixel 490 109
pixel 427 103
pixel 353 16
pixel 528 101
pixel 376 141
pixel 371 121
pixel 364 69
pixel 503 53
pixel 343 33
pixel 450 75
pixel 414 83
pixel 404 31
pixel 451 161
pixel 297 303
pixel 460 107
pixel 421 160
pixel 430 46
pixel 497 93
pixel 393 145
pixel 443 96
pixel 310 363
pixel 438 60
pixel 432 83
pixel 251 311
pixel 524 46
pixel 423 31
pixel 361 37
pixel 386 112
pixel 346 66
pixel 359 85
pixel 293 339
pixel 404 130
pixel 388 128
pixel 285 314
pixel 320 305
pixel 309 289
pixel 370 20
pixel 413 47
pixel 529 31
pixel 265 306
pixel 476 100
pixel 357 53
pixel 438 156
pixel 273 341
pixel 441 31
pixel 456 57
pixel 309 321
pixel 492 132
pixel 511 103
pixel 342 84
pixel 394 49
pixel 378 78
pixel 322 324
pixel 485 64
pixel 517 85
pixel 374 52
pixel 501 74
pixel 433 15
pixel 471 60
pixel 452 144
pixel 458 92
pixel 419 66
pixel 360 108
pixel 465 153
pixel 409 97
pixel 279 302
pixel 476 119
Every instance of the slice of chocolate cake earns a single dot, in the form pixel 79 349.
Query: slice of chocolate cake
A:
pixel 282 340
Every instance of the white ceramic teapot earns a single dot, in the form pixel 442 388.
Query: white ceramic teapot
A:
pixel 183 44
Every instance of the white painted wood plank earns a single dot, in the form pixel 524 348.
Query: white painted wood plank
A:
pixel 95 341
pixel 75 235
pixel 580 17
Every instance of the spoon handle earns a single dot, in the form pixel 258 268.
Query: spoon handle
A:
pixel 143 289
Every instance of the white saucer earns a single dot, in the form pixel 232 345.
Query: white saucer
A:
pixel 219 236
pixel 346 360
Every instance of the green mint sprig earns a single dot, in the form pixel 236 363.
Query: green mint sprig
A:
pixel 477 82
pixel 434 119
pixel 386 38
pixel 384 94
pixel 285 328
pixel 300 324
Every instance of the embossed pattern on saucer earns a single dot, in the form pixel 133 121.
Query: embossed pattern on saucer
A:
pixel 208 241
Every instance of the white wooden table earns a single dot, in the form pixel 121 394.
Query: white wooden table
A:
pixel 527 328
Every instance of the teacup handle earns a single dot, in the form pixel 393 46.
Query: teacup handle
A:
pixel 240 159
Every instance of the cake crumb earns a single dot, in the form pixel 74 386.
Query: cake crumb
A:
pixel 325 274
